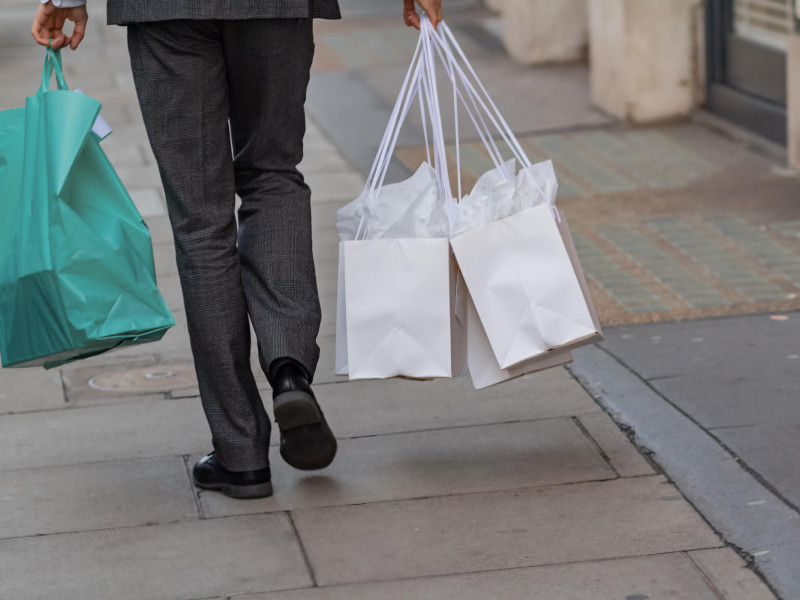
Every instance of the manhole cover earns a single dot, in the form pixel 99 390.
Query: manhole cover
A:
pixel 157 378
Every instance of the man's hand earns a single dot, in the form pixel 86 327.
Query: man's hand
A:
pixel 432 7
pixel 49 25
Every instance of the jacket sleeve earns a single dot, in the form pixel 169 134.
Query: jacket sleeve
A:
pixel 65 3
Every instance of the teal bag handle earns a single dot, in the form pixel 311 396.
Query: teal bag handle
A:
pixel 52 62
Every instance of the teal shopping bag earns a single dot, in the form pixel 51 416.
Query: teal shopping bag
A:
pixel 76 262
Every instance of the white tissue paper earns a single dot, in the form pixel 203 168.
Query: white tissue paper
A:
pixel 409 209
pixel 499 194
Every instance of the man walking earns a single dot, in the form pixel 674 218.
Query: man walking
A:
pixel 211 74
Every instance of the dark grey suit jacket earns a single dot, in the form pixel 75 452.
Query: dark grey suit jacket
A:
pixel 124 12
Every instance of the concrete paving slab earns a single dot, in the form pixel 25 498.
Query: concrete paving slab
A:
pixel 406 406
pixel 323 215
pixel 432 463
pixel 343 185
pixel 139 428
pixel 133 177
pixel 622 455
pixel 729 575
pixel 327 359
pixel 95 496
pixel 354 116
pixel 162 562
pixel 360 408
pixel 499 530
pixel 325 160
pixel 23 390
pixel 666 577
pixel 160 230
pixel 170 288
pixel 124 155
pixel 148 201
pixel 327 326
pixel 326 256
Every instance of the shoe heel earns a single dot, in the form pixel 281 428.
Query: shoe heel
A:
pixel 295 409
pixel 245 492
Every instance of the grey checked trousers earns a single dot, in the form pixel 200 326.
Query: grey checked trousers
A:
pixel 222 103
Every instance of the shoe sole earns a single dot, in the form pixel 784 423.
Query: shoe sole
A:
pixel 295 409
pixel 299 411
pixel 242 492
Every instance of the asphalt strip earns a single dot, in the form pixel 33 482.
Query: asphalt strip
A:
pixel 747 515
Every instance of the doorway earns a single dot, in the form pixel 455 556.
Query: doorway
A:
pixel 747 63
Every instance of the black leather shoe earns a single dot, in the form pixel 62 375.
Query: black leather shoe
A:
pixel 307 441
pixel 209 474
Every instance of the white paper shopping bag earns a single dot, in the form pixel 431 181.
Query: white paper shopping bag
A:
pixel 525 287
pixel 397 308
pixel 483 367
pixel 458 320
pixel 340 361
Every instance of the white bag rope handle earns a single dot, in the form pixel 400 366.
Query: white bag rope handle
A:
pixel 393 120
pixel 505 131
pixel 481 108
pixel 483 130
pixel 383 168
pixel 422 78
pixel 496 112
pixel 381 165
pixel 432 92
pixel 421 74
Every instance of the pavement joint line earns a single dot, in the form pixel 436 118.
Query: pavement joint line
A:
pixel 735 469
pixel 74 405
pixel 287 511
pixel 579 424
pixel 114 528
pixel 303 551
pixel 195 492
pixel 64 390
pixel 94 463
pixel 456 494
pixel 628 431
pixel 430 497
pixel 707 578
pixel 500 570
pixel 275 444
pixel 472 425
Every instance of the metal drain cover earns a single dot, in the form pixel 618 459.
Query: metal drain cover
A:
pixel 156 378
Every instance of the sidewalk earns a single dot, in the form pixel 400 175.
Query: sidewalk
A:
pixel 525 490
